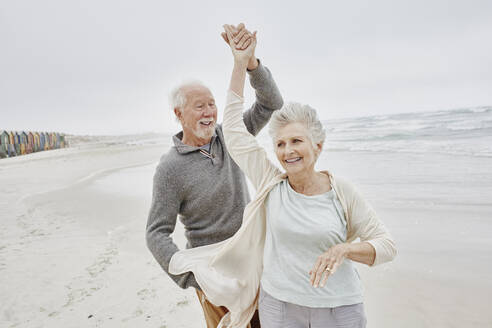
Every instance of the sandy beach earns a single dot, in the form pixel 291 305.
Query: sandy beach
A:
pixel 74 255
pixel 73 252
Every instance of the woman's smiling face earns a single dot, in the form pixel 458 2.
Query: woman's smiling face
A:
pixel 294 148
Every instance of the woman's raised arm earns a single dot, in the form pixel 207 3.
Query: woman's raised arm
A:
pixel 241 145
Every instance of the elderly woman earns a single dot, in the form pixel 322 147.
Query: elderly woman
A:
pixel 293 256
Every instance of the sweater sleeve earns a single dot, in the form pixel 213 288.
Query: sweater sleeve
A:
pixel 162 221
pixel 365 224
pixel 242 146
pixel 268 99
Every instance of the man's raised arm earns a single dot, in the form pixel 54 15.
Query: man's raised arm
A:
pixel 268 97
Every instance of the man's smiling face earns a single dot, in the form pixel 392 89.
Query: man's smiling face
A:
pixel 199 115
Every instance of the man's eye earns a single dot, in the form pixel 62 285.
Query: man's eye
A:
pixel 279 144
pixel 297 140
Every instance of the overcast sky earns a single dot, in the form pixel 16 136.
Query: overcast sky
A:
pixel 106 66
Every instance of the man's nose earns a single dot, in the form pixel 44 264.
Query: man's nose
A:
pixel 209 110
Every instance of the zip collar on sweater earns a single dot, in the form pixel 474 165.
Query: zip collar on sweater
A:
pixel 183 148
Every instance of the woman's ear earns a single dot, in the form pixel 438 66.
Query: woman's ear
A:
pixel 319 148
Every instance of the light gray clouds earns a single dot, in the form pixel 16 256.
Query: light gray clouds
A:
pixel 106 66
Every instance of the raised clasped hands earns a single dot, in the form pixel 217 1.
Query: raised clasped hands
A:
pixel 242 44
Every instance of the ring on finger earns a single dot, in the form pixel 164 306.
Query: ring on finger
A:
pixel 328 269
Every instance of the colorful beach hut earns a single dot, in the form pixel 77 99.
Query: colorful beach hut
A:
pixel 17 142
pixel 46 141
pixel 12 137
pixel 30 143
pixel 12 150
pixel 13 143
pixel 37 143
pixel 52 140
pixel 42 141
pixel 63 143
pixel 57 140
pixel 23 142
pixel 47 145
pixel 4 143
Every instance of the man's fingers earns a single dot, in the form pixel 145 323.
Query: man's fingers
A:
pixel 253 39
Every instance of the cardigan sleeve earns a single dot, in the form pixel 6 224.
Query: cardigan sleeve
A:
pixel 364 223
pixel 242 146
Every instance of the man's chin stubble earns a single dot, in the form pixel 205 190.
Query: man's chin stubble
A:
pixel 205 134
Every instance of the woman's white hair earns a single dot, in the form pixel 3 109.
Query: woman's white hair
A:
pixel 298 113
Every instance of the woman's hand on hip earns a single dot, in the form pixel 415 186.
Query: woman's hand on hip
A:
pixel 327 264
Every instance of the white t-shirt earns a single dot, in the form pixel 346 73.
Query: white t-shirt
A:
pixel 299 228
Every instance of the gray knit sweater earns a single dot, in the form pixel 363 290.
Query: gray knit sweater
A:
pixel 207 194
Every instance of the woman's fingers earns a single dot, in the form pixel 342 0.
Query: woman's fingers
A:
pixel 229 32
pixel 241 33
pixel 319 273
pixel 234 31
pixel 318 270
pixel 326 265
pixel 224 36
pixel 331 263
pixel 313 271
pixel 335 267
pixel 326 274
pixel 241 43
pixel 247 43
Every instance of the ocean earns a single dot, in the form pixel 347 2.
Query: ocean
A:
pixel 459 132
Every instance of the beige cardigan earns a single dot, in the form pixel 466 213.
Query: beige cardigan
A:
pixel 229 272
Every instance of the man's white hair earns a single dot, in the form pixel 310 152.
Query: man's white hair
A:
pixel 177 97
pixel 298 113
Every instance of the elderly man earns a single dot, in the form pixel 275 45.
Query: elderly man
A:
pixel 197 179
